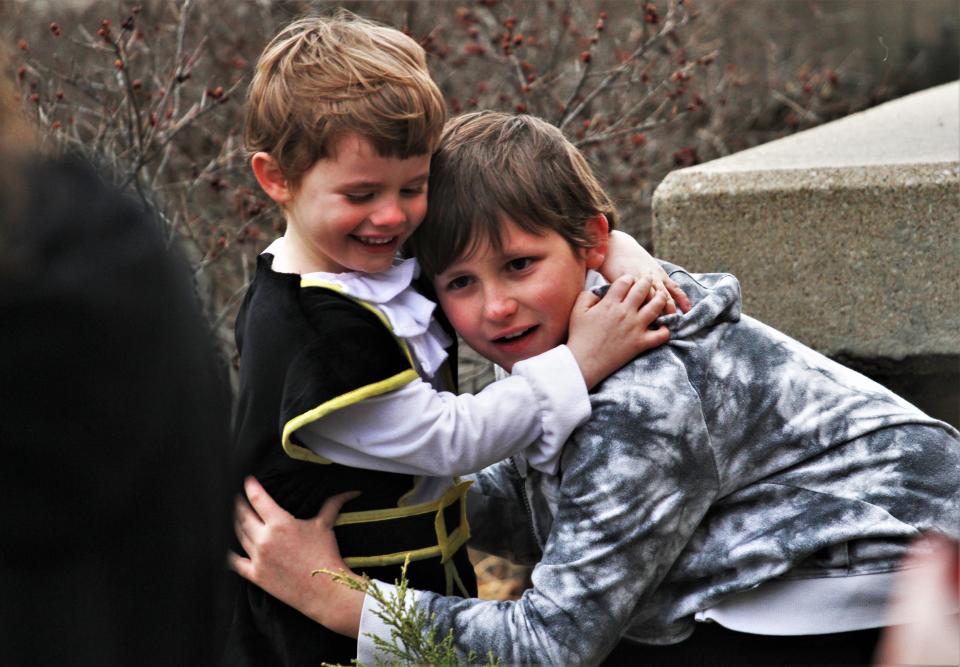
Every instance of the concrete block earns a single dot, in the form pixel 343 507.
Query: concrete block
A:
pixel 844 236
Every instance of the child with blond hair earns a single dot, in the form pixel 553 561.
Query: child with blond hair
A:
pixel 343 366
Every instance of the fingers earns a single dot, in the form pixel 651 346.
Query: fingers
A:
pixel 640 291
pixel 240 565
pixel 261 502
pixel 669 305
pixel 652 338
pixel 644 292
pixel 678 295
pixel 331 507
pixel 585 300
pixel 654 307
pixel 620 287
pixel 245 521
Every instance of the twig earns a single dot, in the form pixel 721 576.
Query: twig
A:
pixel 806 113
pixel 669 26
pixel 606 136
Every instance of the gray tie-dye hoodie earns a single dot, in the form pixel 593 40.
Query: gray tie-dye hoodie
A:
pixel 731 456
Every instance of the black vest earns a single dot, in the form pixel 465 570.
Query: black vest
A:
pixel 303 350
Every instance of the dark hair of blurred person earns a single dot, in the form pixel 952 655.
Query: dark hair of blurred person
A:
pixel 114 419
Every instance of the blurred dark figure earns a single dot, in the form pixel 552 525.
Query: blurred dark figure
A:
pixel 114 422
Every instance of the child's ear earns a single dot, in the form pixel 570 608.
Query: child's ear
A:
pixel 270 177
pixel 598 230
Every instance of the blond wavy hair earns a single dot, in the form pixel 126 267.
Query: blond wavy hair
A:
pixel 322 78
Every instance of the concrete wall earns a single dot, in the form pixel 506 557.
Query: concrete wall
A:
pixel 844 236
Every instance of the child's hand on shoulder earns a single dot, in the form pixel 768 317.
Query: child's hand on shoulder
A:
pixel 606 333
pixel 627 257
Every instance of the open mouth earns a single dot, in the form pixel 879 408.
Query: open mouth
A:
pixel 515 337
pixel 374 240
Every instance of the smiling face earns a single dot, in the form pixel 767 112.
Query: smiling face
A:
pixel 353 210
pixel 515 302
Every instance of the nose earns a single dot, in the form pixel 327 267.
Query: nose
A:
pixel 390 214
pixel 499 305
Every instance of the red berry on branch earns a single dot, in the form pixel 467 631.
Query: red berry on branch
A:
pixel 585 56
pixel 55 29
pixel 23 45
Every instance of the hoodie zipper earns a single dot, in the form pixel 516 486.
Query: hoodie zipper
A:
pixel 526 502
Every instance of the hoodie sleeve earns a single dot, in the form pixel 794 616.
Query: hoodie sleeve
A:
pixel 636 481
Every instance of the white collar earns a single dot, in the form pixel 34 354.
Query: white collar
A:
pixel 409 313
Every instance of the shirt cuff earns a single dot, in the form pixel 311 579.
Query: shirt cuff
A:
pixel 562 399
pixel 372 625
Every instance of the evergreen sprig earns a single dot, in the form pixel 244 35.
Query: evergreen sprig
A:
pixel 413 633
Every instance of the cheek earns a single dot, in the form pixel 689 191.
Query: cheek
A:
pixel 462 316
pixel 556 303
pixel 417 210
pixel 338 218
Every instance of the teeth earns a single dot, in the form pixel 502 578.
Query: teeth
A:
pixel 515 335
pixel 375 241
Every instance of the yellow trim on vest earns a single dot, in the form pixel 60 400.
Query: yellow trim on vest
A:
pixel 447 543
pixel 300 453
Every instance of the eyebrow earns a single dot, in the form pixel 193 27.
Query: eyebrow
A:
pixel 359 185
pixel 421 178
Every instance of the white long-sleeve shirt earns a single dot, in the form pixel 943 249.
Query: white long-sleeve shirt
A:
pixel 421 430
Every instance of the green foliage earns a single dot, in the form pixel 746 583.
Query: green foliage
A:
pixel 413 635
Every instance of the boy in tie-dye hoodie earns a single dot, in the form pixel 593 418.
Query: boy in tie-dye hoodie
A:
pixel 736 498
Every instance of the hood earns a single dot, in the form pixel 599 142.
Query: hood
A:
pixel 715 298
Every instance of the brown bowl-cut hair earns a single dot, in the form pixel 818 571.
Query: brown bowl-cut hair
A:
pixel 322 78
pixel 492 166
